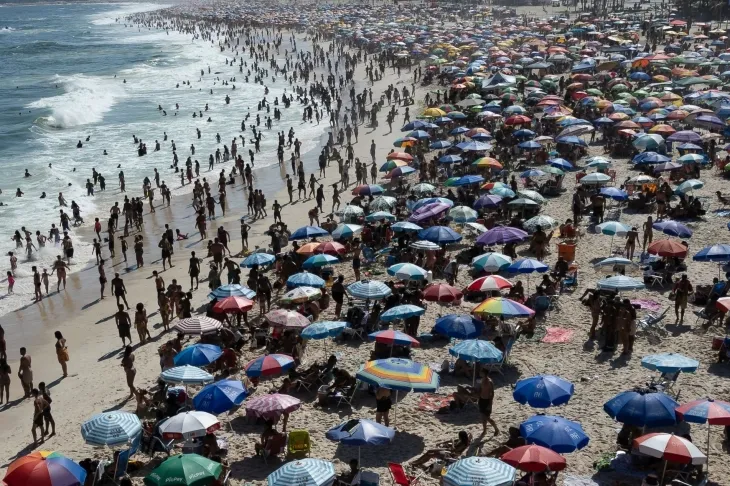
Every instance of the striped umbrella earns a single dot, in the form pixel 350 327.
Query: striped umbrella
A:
pixel 258 258
pixel 321 260
pixel 111 429
pixel 491 262
pixel 401 312
pixel 369 289
pixel 198 355
pixel 286 318
pixel 407 271
pixel 383 203
pixel 479 471
pixel 304 472
pixel 188 425
pixel 368 189
pixel 425 245
pixel 198 325
pixel 392 337
pixel 346 231
pixel 712 412
pixel 476 351
pixel 305 279
pixel 350 212
pixel 462 214
pixel 44 468
pixel 233 305
pixel 186 374
pixel 232 290
pixel 273 405
pixel 670 448
pixel 503 307
pixel 489 283
pixel 269 365
pixel 541 221
pixel 399 374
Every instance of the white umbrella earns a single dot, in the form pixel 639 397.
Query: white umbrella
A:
pixel 425 245
pixel 541 221
pixel 188 425
pixel 198 325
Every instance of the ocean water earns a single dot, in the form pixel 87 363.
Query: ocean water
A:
pixel 62 79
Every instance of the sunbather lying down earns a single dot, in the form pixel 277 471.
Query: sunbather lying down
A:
pixel 445 450
pixel 461 397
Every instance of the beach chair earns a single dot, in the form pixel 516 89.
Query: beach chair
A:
pixel 570 282
pixel 505 359
pixel 275 446
pixel 399 476
pixel 298 444
pixel 348 397
pixel 649 322
pixel 542 305
pixel 120 468
pixel 154 444
pixel 368 256
pixel 667 381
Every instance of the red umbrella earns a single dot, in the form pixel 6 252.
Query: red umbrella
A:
pixel 399 156
pixel 489 283
pixel 232 305
pixel 331 248
pixel 517 120
pixel 534 458
pixel 667 248
pixel 439 292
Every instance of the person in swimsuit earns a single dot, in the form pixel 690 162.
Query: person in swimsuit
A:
pixel 25 373
pixel 129 370
pixel 102 277
pixel 39 407
pixel 648 229
pixel 383 404
pixel 194 270
pixel 486 399
pixel 5 371
pixel 631 238
pixel 119 290
pixel 140 322
pixel 61 352
pixel 357 248
pixel 124 325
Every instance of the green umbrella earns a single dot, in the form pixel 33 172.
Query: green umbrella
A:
pixel 594 92
pixel 185 470
pixel 619 88
pixel 556 171
pixel 640 93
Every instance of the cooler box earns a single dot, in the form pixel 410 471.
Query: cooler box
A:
pixel 369 478
pixel 567 251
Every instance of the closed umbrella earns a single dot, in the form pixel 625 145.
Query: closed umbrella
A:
pixel 111 429
pixel 642 409
pixel 555 433
pixel 479 471
pixel 303 472
pixel 543 391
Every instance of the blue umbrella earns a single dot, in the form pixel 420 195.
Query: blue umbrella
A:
pixel 306 232
pixel 450 159
pixel 572 140
pixel 258 258
pixel 473 146
pixel 620 283
pixel 561 164
pixel 402 312
pixel 642 409
pixel 360 432
pixel 407 271
pixel 320 260
pixel 481 137
pixel 639 76
pixel 232 290
pixel 487 201
pixel 440 235
pixel 419 134
pixel 405 226
pixel 111 429
pixel 714 253
pixel 650 158
pixel 556 433
pixel 524 133
pixel 415 125
pixel 543 391
pixel 439 144
pixel 532 173
pixel 186 374
pixel 476 351
pixel 527 265
pixel 530 145
pixel 431 200
pixel 458 326
pixel 468 179
pixel 220 396
pixel 673 228
pixel 479 471
pixel 198 355
pixel 615 193
pixel 303 472
pixel 670 363
pixel 323 329
pixel 346 230
pixel 458 131
pixel 305 279
pixel 369 289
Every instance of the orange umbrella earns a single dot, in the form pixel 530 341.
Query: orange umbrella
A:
pixel 308 248
pixel 668 248
pixel 662 129
pixel 331 248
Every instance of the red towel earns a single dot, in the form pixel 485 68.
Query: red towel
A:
pixel 557 335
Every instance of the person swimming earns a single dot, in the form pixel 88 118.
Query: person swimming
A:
pixel 27 174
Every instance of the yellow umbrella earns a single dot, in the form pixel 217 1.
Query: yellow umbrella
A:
pixel 434 112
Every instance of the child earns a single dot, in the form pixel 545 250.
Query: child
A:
pixel 11 282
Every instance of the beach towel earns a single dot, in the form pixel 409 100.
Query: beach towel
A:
pixel 650 305
pixel 431 402
pixel 557 335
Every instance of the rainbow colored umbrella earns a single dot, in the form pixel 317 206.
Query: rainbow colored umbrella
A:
pixel 505 308
pixel 44 468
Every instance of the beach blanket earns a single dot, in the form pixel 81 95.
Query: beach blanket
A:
pixel 557 335
pixel 431 402
pixel 650 305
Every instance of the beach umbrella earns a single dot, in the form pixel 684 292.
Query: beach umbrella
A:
pixel 487 201
pixel 399 374
pixel 220 396
pixel 489 283
pixel 231 290
pixel 491 262
pixel 650 141
pixel 690 158
pixel 405 226
pixel 401 312
pixel 393 338
pixel 527 265
pixel 685 136
pixel 458 326
pixel 272 406
pixel 463 214
pixel 642 409
pixel 561 164
pixel 540 222
pixel 407 271
pixel 440 144
pixel 187 375
pixel 439 234
pixel 530 145
pixel 441 292
pixel 258 258
pixel 307 248
pixel 595 179
pixel 667 166
pixel 111 429
pixel 44 468
pixel 287 319
pixel 535 459
pixel 670 363
pixel 198 355
pixel 386 167
pixel 305 279
pixel 688 186
pixel 368 189
pixel 431 200
pixel 394 156
pixel 531 173
pixel 667 248
pixel 650 158
pixel 185 470
pixel 614 261
pixel 500 235
pixel 479 471
pixel 423 188
pixel 270 365
pixel 504 192
pixel 232 305
pixel 321 260
pixel 543 391
pixel 613 228
pixel 713 253
pixel 369 289
pixel 450 159
pixel 709 411
pixel 428 211
pixel 670 448
pixel 502 307
pixel 473 146
pixel 198 325
pixel 620 283
pixel 476 351
pixel 300 295
pixel 346 231
pixel 360 432
pixel 465 180
pixel 487 162
pixel 399 172
pixel 533 195
pixel 306 232
pixel 556 433
pixel 383 203
pixel 350 212
pixel 189 425
pixel 331 248
pixel 323 329
pixel 615 193
pixel 673 228
pixel 304 472
pixel 425 245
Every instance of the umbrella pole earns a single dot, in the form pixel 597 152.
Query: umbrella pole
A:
pixel 708 448
pixel 610 248
pixel 395 409
pixel 474 374
pixel 664 470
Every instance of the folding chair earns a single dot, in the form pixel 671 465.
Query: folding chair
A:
pixel 668 381
pixel 505 358
pixel 274 446
pixel 399 476
pixel 348 398
pixel 120 468
pixel 298 444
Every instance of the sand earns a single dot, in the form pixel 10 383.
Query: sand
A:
pixel 96 381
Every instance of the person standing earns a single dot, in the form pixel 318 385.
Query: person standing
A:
pixel 62 352
pixel 124 324
pixel 119 290
pixel 25 373
pixel 47 417
pixel 194 270
pixel 39 406
pixel 129 370
pixel 486 400
pixel 140 323
pixel 5 371
pixel 681 290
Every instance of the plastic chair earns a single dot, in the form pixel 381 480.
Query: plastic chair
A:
pixel 571 281
pixel 298 444
pixel 399 476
